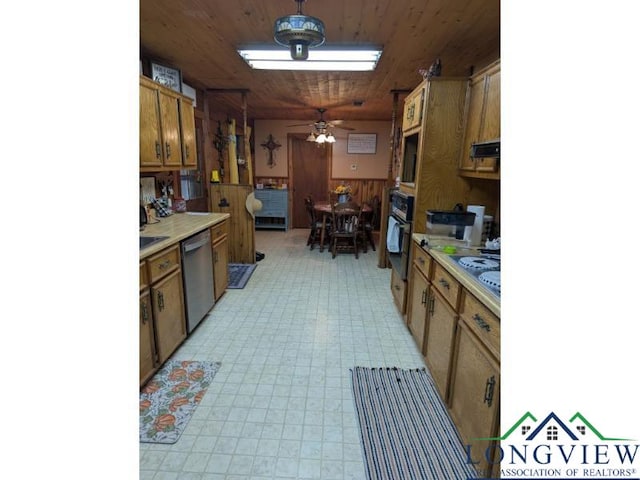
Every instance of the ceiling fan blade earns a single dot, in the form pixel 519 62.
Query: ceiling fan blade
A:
pixel 343 128
pixel 301 125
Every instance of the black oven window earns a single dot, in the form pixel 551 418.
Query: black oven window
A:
pixel 410 158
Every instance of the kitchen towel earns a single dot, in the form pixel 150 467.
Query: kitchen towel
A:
pixel 473 234
pixel 393 236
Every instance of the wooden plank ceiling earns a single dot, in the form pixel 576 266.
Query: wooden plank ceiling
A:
pixel 200 38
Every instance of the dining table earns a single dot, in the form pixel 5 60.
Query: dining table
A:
pixel 324 209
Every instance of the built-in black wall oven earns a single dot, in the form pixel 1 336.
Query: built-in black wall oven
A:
pixel 399 231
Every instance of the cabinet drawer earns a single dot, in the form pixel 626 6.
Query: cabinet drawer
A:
pixel 218 231
pixel 398 290
pixel 144 278
pixel 163 263
pixel 448 286
pixel 484 323
pixel 421 259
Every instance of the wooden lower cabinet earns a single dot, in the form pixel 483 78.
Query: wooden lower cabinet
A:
pixel 220 250
pixel 459 337
pixel 163 325
pixel 474 402
pixel 417 306
pixel 439 340
pixel 399 291
pixel 168 314
pixel 147 338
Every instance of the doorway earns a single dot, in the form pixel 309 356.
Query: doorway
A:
pixel 308 174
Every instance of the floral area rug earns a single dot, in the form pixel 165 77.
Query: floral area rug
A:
pixel 170 398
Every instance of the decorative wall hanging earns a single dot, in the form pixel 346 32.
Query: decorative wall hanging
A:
pixel 220 143
pixel 361 143
pixel 167 76
pixel 435 70
pixel 271 144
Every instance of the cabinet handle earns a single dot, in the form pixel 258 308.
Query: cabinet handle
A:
pixel 397 287
pixel 160 301
pixel 481 323
pixel 444 283
pixel 158 149
pixel 168 147
pixel 186 150
pixel 432 304
pixel 145 313
pixel 488 390
pixel 424 297
pixel 164 264
pixel 421 260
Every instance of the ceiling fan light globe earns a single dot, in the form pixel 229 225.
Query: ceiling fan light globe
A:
pixel 321 138
pixel 299 50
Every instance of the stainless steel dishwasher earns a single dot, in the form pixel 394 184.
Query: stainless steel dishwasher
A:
pixel 197 277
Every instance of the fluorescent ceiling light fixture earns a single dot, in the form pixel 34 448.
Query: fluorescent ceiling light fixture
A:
pixel 329 58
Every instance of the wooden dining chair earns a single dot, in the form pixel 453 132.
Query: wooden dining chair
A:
pixel 315 224
pixel 369 220
pixel 346 219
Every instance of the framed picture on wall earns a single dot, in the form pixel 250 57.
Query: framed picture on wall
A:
pixel 359 143
pixel 167 76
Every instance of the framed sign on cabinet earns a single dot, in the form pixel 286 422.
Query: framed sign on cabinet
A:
pixel 167 76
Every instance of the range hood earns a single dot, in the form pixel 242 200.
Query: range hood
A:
pixel 488 149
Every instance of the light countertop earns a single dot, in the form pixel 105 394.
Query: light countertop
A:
pixel 435 250
pixel 178 227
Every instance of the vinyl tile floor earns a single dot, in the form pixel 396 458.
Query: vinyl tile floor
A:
pixel 281 404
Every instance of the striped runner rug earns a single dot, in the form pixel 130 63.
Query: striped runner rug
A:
pixel 405 428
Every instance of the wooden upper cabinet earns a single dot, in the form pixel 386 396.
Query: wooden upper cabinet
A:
pixel 491 127
pixel 188 129
pixel 475 100
pixel 170 124
pixel 150 139
pixel 167 128
pixel 412 116
pixel 482 121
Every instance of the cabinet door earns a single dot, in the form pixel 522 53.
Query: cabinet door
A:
pixel 475 394
pixel 475 100
pixel 491 124
pixel 399 291
pixel 168 314
pixel 188 130
pixel 150 140
pixel 413 104
pixel 147 340
pixel 170 122
pixel 441 327
pixel 220 267
pixel 417 306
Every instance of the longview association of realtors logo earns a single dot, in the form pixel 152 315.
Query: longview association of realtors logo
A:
pixel 552 448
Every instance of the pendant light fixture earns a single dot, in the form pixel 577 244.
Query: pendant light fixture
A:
pixel 299 32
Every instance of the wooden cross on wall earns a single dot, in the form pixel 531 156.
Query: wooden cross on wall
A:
pixel 271 144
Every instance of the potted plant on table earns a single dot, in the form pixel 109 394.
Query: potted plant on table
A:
pixel 343 192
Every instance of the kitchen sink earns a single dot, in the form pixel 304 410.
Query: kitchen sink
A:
pixel 148 241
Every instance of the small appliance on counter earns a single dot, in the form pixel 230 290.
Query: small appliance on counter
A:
pixel 143 217
pixel 450 223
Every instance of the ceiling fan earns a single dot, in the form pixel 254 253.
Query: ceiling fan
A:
pixel 322 125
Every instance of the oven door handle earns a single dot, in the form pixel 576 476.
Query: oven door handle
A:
pixel 401 223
